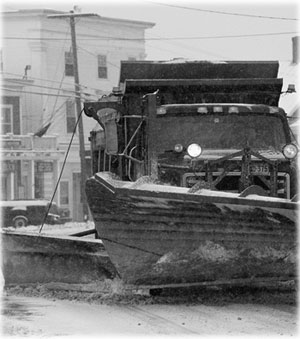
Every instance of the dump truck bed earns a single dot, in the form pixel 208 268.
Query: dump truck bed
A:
pixel 198 70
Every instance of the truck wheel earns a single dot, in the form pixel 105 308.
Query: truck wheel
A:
pixel 20 221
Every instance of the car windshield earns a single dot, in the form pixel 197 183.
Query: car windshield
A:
pixel 215 131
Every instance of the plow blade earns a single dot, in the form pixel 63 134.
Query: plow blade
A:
pixel 34 258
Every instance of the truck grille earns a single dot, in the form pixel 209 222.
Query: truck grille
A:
pixel 230 182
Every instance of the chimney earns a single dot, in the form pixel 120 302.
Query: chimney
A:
pixel 295 41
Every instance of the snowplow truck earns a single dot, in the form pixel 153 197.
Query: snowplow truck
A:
pixel 213 125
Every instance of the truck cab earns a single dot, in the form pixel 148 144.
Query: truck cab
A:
pixel 197 125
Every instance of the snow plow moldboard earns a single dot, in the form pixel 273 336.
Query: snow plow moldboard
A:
pixel 159 235
pixel 37 258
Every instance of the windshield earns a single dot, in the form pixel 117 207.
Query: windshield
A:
pixel 221 131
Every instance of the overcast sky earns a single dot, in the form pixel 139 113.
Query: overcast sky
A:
pixel 199 30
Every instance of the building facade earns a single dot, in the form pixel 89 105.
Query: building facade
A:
pixel 289 100
pixel 38 96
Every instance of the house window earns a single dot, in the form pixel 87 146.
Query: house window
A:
pixel 69 64
pixel 6 119
pixel 102 67
pixel 64 192
pixel 70 114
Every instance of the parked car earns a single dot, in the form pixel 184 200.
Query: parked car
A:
pixel 20 213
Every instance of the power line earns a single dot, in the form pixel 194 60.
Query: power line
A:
pixel 58 64
pixel 60 39
pixel 185 47
pixel 224 13
pixel 224 36
pixel 39 93
pixel 163 39
pixel 49 119
pixel 155 47
pixel 54 113
pixel 30 77
pixel 56 99
pixel 41 86
pixel 72 92
pixel 45 80
pixel 93 54
pixel 158 37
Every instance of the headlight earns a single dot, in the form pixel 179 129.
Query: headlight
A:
pixel 290 151
pixel 178 148
pixel 194 150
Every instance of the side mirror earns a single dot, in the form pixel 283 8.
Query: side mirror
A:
pixel 107 117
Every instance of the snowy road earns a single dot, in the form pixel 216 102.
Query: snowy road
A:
pixel 44 313
pixel 36 316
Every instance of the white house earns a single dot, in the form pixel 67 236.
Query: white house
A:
pixel 38 93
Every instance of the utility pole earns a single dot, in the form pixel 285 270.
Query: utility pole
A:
pixel 72 16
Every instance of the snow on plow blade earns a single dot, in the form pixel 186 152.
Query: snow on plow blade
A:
pixel 35 258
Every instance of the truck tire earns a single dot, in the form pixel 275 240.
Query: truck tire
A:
pixel 20 221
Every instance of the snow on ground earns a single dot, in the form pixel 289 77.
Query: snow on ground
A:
pixel 60 229
pixel 41 311
pixel 202 314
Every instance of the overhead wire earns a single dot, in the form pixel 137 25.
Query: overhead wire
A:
pixel 165 38
pixel 25 105
pixel 182 50
pixel 42 86
pixel 38 93
pixel 31 78
pixel 151 39
pixel 159 48
pixel 54 114
pixel 45 80
pixel 56 99
pixel 56 70
pixel 94 54
pixel 224 12
pixel 21 81
pixel 185 47
pixel 184 38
